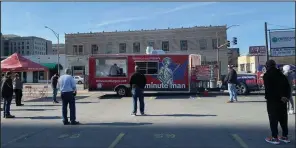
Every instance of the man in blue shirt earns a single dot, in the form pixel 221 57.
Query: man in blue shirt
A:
pixel 67 87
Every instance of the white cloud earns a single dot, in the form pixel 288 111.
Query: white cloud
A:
pixel 179 8
pixel 240 13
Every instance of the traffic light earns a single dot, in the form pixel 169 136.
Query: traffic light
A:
pixel 234 40
pixel 228 43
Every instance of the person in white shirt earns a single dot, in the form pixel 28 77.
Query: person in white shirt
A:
pixel 68 90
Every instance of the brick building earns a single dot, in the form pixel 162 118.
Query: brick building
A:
pixel 198 40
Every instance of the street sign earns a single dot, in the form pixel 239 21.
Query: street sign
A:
pixel 257 50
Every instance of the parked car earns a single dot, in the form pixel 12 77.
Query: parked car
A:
pixel 78 79
pixel 246 83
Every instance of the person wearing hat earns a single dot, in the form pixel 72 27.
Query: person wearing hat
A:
pixel 7 93
pixel 18 90
pixel 68 90
pixel 231 80
pixel 277 92
pixel 289 74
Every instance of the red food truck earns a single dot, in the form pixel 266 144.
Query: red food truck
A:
pixel 164 72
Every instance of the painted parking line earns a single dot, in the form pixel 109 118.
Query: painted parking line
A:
pixel 239 140
pixel 116 141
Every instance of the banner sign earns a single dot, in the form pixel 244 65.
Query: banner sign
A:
pixel 280 39
pixel 280 52
pixel 257 50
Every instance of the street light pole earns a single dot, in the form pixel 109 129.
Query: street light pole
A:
pixel 58 52
pixel 218 52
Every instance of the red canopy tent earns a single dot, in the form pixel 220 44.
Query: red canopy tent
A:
pixel 18 63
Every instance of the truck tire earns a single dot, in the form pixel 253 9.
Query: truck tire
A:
pixel 122 91
pixel 242 89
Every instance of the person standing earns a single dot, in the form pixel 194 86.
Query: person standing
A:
pixel 277 92
pixel 54 82
pixel 68 90
pixel 137 84
pixel 18 90
pixel 289 74
pixel 7 93
pixel 231 80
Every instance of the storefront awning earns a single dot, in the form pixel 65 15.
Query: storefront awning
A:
pixel 52 66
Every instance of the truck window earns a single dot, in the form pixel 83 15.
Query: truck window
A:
pixel 111 67
pixel 149 68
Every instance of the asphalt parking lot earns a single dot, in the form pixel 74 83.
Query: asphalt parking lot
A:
pixel 176 121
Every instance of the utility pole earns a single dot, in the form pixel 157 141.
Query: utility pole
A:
pixel 266 41
pixel 218 59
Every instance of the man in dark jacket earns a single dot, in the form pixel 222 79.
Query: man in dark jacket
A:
pixel 54 82
pixel 7 93
pixel 137 84
pixel 277 92
pixel 18 90
pixel 231 80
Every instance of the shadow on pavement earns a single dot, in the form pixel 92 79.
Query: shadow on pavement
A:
pixel 183 115
pixel 195 135
pixel 49 99
pixel 45 105
pixel 250 101
pixel 35 109
pixel 40 117
pixel 85 102
pixel 119 124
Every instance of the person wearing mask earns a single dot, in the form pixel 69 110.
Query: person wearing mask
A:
pixel 137 84
pixel 68 90
pixel 7 93
pixel 277 92
pixel 289 75
pixel 231 80
pixel 54 82
pixel 114 70
pixel 18 90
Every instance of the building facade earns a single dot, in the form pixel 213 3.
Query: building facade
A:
pixel 55 49
pixel 194 40
pixel 26 46
pixel 249 64
pixel 233 54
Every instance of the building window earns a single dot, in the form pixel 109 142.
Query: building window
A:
pixel 214 43
pixel 28 52
pixel 94 49
pixel 109 48
pixel 75 49
pixel 136 47
pixel 41 75
pixel 80 49
pixel 242 67
pixel 183 45
pixel 23 47
pixel 150 68
pixel 28 47
pixel 203 44
pixel 122 48
pixel 28 42
pixel 151 44
pixel 248 67
pixel 23 43
pixel 165 45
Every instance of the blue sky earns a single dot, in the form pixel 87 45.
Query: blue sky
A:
pixel 29 19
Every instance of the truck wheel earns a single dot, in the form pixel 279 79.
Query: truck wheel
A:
pixel 121 91
pixel 79 82
pixel 242 89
